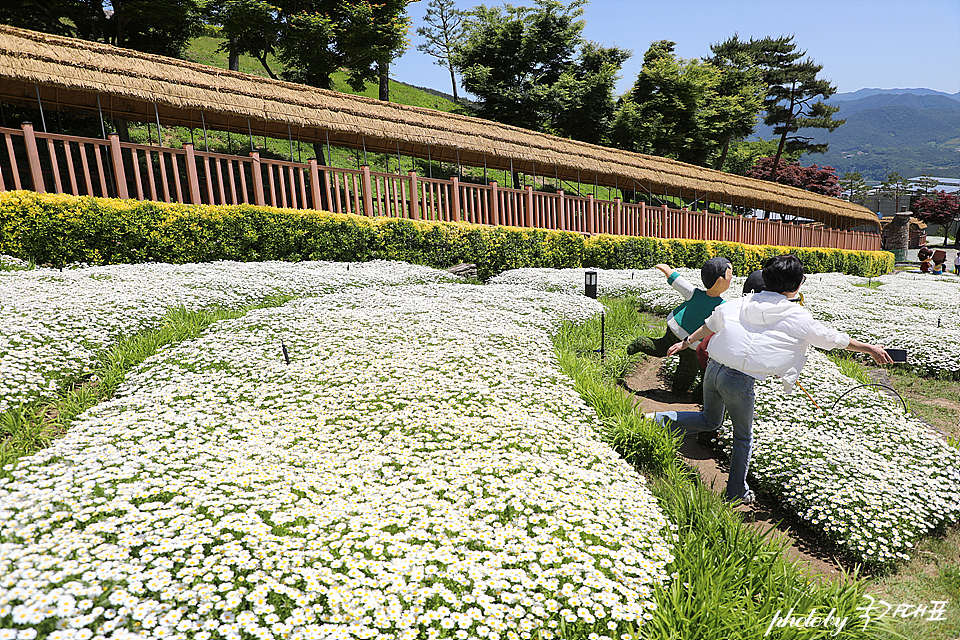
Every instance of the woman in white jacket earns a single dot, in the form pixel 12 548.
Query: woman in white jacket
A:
pixel 759 335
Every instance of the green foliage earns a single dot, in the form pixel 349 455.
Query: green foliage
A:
pixel 317 38
pixel 62 229
pixel 156 26
pixel 529 67
pixel 686 109
pixel 626 252
pixel 443 33
pixel 854 187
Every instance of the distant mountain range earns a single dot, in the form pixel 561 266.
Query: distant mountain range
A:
pixel 908 131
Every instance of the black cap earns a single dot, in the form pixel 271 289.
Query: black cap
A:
pixel 714 269
pixel 754 283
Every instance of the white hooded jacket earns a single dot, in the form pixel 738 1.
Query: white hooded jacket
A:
pixel 765 334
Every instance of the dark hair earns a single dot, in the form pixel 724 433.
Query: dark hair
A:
pixel 754 283
pixel 714 269
pixel 783 274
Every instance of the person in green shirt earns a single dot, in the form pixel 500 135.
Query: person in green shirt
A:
pixel 716 274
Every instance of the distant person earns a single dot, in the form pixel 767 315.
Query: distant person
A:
pixel 754 337
pixel 956 264
pixel 716 275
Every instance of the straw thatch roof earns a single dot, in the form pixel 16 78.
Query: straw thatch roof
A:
pixel 76 74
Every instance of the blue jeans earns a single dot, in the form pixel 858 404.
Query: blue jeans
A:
pixel 723 389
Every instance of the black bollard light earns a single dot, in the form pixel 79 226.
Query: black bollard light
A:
pixel 590 290
pixel 286 354
pixel 590 284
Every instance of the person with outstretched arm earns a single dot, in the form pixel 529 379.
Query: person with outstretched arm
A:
pixel 759 335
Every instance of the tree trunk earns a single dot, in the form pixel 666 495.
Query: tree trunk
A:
pixel 123 131
pixel 234 62
pixel 723 155
pixel 384 68
pixel 453 82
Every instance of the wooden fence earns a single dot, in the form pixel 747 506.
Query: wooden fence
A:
pixel 45 162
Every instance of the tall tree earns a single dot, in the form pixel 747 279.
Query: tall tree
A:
pixel 677 109
pixel 444 31
pixel 582 104
pixel 942 209
pixel 895 186
pixel 529 67
pixel 315 38
pixel 155 26
pixel 854 187
pixel 741 88
pixel 792 89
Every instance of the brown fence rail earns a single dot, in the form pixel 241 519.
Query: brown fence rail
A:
pixel 45 162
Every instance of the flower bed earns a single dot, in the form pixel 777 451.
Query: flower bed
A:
pixel 420 469
pixel 869 476
pixel 55 322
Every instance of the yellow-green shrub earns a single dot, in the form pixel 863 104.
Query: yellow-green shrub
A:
pixel 60 229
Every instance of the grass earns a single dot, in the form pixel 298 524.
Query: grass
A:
pixel 30 427
pixel 730 580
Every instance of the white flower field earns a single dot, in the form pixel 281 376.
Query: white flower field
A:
pixel 420 468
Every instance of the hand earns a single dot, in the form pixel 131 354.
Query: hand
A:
pixel 880 355
pixel 665 268
pixel 680 346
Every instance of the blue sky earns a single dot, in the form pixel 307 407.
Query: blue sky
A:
pixel 884 44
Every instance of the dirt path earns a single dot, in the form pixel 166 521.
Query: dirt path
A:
pixel 652 392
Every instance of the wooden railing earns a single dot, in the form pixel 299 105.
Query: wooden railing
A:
pixel 45 162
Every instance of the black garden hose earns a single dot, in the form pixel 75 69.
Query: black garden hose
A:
pixel 871 384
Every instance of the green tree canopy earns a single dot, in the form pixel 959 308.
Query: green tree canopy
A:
pixel 163 27
pixel 792 89
pixel 529 67
pixel 315 38
pixel 682 109
pixel 444 31
pixel 896 187
pixel 854 187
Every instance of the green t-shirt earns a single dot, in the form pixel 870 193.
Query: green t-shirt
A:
pixel 692 313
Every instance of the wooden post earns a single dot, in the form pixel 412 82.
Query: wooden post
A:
pixel 116 155
pixel 643 227
pixel 193 181
pixel 591 214
pixel 414 196
pixel 618 216
pixel 494 204
pixel 33 157
pixel 529 207
pixel 561 210
pixel 455 197
pixel 257 179
pixel 367 191
pixel 315 196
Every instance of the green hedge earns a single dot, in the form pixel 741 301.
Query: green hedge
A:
pixel 62 229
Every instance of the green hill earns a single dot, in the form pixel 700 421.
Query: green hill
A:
pixel 905 133
pixel 204 50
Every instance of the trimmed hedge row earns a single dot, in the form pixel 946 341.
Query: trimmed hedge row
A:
pixel 63 229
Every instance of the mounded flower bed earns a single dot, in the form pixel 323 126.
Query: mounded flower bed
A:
pixel 419 468
pixel 871 477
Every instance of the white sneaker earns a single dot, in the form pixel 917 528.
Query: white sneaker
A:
pixel 650 416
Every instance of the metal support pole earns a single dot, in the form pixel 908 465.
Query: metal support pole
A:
pixel 100 111
pixel 289 138
pixel 250 131
pixel 399 168
pixel 363 141
pixel 43 120
pixel 203 122
pixel 429 164
pixel 159 131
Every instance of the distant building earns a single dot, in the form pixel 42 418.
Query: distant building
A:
pixel 886 207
